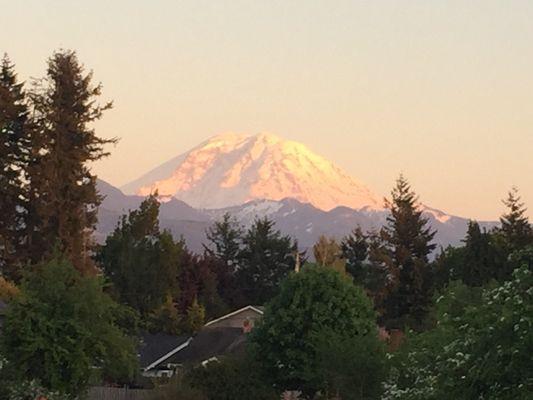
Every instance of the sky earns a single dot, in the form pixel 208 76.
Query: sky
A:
pixel 441 91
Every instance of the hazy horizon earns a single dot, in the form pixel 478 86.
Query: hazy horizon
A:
pixel 442 92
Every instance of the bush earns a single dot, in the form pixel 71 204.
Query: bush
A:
pixel 352 367
pixel 231 379
pixel 314 300
pixel 482 351
pixel 62 329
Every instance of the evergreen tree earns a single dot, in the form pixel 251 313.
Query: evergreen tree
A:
pixel 141 262
pixel 266 259
pixel 166 318
pixel 355 251
pixel 14 155
pixel 224 241
pixel 408 239
pixel 367 255
pixel 515 225
pixel 375 270
pixel 222 253
pixel 63 191
pixel 448 266
pixel 480 263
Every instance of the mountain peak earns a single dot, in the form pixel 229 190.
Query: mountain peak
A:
pixel 232 169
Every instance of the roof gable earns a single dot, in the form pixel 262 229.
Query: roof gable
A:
pixel 258 310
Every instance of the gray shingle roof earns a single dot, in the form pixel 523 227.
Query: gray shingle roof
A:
pixel 210 343
pixel 154 346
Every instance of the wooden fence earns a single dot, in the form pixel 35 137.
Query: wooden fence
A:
pixel 110 393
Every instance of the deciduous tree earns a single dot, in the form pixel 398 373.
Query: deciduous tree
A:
pixel 62 329
pixel 309 302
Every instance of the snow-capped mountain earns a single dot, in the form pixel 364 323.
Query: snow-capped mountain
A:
pixel 233 169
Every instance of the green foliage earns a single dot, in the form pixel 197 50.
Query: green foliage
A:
pixel 15 144
pixel 352 367
pixel 166 318
pixel 224 241
pixel 195 318
pixel 62 329
pixel 63 198
pixel 448 266
pixel 489 255
pixel 141 262
pixel 231 379
pixel 523 257
pixel 266 259
pixel 28 390
pixel 222 251
pixel 408 238
pixel 515 225
pixel 354 249
pixel 314 300
pixel 480 348
pixel 367 255
pixel 482 259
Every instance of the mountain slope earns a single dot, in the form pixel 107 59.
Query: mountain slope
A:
pixel 302 221
pixel 232 169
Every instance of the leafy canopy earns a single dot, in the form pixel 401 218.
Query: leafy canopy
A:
pixel 311 301
pixel 480 348
pixel 62 329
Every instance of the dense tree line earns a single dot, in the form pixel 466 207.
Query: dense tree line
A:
pixel 161 279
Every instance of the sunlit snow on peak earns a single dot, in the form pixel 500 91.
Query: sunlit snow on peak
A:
pixel 231 169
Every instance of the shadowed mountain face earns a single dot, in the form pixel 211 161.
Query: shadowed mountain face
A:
pixel 301 221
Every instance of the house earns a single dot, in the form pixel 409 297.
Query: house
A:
pixel 155 351
pixel 244 318
pixel 222 336
pixel 210 343
pixel 162 354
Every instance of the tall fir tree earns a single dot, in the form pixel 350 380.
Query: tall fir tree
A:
pixel 266 259
pixel 140 261
pixel 409 240
pixel 224 241
pixel 515 226
pixel 479 258
pixel 15 144
pixel 63 191
pixel 355 251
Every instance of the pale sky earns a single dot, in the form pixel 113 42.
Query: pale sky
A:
pixel 439 90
